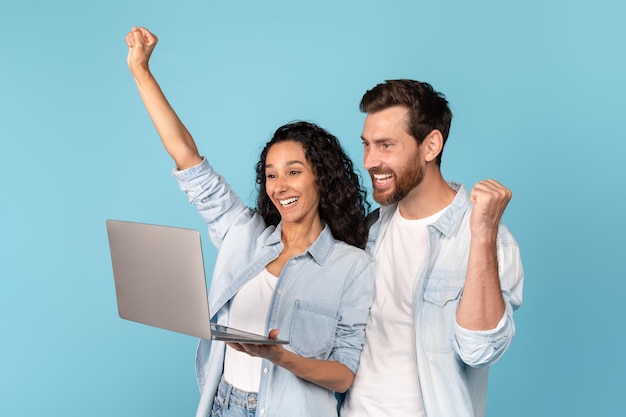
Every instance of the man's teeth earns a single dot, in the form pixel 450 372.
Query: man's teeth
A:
pixel 382 177
pixel 288 201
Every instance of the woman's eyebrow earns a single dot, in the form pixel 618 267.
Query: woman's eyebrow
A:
pixel 288 163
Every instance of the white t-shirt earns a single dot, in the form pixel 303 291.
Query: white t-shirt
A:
pixel 386 383
pixel 248 312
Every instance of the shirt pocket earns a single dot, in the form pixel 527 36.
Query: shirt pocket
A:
pixel 442 293
pixel 312 329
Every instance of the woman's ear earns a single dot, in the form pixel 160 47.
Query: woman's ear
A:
pixel 433 145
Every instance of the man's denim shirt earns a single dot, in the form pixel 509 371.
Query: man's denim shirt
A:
pixel 452 361
pixel 321 301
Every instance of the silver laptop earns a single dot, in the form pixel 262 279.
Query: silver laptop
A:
pixel 160 281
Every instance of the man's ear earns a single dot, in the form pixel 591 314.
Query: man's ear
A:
pixel 433 145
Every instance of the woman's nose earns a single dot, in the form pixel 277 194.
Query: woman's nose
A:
pixel 281 184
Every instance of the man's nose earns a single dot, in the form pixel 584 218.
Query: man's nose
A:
pixel 370 158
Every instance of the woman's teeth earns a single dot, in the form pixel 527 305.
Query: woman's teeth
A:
pixel 288 201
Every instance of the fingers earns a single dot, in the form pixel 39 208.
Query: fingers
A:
pixel 141 35
pixel 490 199
pixel 141 43
pixel 274 334
pixel 490 185
pixel 491 189
pixel 131 37
pixel 147 37
pixel 250 349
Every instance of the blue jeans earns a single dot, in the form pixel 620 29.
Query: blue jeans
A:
pixel 232 402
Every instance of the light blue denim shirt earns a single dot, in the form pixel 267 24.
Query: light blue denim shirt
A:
pixel 320 304
pixel 453 362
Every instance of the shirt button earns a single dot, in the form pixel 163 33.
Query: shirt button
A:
pixel 262 410
pixel 265 370
pixel 279 291
pixel 294 262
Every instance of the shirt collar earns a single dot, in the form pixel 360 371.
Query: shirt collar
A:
pixel 320 250
pixel 450 220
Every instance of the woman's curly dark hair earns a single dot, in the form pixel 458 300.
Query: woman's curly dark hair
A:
pixel 343 200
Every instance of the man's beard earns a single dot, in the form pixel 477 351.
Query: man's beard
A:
pixel 405 181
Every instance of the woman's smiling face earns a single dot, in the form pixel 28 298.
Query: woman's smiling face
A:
pixel 290 183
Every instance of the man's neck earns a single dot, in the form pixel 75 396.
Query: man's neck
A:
pixel 432 195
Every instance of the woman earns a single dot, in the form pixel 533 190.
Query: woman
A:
pixel 293 265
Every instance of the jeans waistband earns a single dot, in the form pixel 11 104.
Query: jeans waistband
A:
pixel 235 396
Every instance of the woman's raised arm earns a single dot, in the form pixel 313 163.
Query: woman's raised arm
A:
pixel 175 137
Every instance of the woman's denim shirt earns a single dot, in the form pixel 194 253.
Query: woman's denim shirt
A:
pixel 453 362
pixel 320 304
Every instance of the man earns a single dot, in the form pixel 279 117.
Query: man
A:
pixel 448 275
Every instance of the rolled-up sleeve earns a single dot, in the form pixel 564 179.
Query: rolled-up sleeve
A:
pixel 479 348
pixel 355 306
pixel 484 347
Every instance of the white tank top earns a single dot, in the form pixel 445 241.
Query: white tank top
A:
pixel 387 381
pixel 248 312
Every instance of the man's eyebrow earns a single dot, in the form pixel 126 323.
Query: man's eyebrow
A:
pixel 377 140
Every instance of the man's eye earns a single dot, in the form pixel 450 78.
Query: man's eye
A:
pixel 294 172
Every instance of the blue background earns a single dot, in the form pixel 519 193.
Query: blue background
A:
pixel 538 93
